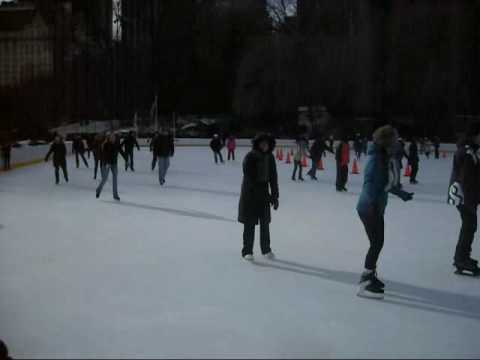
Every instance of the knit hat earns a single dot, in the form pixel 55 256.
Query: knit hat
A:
pixel 385 136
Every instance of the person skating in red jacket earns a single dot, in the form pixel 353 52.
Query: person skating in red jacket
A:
pixel 342 156
pixel 231 146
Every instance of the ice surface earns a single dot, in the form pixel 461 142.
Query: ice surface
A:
pixel 160 274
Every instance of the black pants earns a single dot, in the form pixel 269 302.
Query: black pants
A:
pixel 129 160
pixel 313 171
pixel 96 159
pixel 342 177
pixel 6 162
pixel 77 160
pixel 467 233
pixel 413 177
pixel 231 153
pixel 297 165
pixel 63 166
pixel 154 161
pixel 218 154
pixel 249 236
pixel 375 228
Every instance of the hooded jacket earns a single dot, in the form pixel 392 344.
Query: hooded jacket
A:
pixel 466 173
pixel 260 183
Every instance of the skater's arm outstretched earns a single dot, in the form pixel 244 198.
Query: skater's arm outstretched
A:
pixel 49 153
pixel 274 192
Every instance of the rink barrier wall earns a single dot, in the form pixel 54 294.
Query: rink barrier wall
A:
pixel 30 155
pixel 202 142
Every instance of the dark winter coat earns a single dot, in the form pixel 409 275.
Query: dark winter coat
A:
pixel 78 146
pixel 129 143
pixel 6 151
pixel 216 144
pixel 413 157
pixel 59 152
pixel 466 172
pixel 110 153
pixel 163 146
pixel 318 148
pixel 260 185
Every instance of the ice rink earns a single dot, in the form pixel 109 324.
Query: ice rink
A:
pixel 160 273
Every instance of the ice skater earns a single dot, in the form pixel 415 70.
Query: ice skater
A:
pixel 6 150
pixel 217 145
pixel 110 150
pixel 380 179
pixel 79 150
pixel 154 156
pixel 97 144
pixel 301 151
pixel 163 150
pixel 128 145
pixel 259 192
pixel 342 157
pixel 59 151
pixel 231 146
pixel 436 146
pixel 317 150
pixel 464 192
pixel 358 146
pixel 413 160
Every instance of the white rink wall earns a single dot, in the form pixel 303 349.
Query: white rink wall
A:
pixel 27 154
pixel 248 143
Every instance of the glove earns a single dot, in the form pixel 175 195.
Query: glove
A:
pixel 406 196
pixel 275 204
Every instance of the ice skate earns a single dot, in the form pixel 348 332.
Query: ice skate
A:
pixel 248 257
pixel 371 287
pixel 467 268
pixel 270 255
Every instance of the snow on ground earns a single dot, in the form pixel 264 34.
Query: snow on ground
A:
pixel 160 274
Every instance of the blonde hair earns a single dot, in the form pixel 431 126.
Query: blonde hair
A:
pixel 385 136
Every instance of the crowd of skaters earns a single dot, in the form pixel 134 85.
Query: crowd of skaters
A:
pixel 260 190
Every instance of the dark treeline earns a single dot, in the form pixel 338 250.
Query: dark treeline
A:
pixel 414 63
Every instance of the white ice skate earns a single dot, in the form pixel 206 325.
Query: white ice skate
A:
pixel 370 291
pixel 269 256
pixel 248 257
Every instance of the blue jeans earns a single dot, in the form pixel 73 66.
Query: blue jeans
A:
pixel 105 170
pixel 163 165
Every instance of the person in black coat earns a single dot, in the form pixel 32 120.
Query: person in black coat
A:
pixel 110 150
pixel 59 151
pixel 436 146
pixel 163 149
pixel 413 160
pixel 217 145
pixel 152 142
pixel 317 151
pixel 128 144
pixel 464 192
pixel 79 150
pixel 259 192
pixel 6 149
pixel 97 152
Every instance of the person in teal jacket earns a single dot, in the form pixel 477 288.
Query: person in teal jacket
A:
pixel 381 178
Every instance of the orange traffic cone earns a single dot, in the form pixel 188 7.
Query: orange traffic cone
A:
pixel 320 165
pixel 408 171
pixel 304 161
pixel 280 155
pixel 289 159
pixel 355 169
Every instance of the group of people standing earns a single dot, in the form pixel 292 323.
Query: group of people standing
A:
pixel 217 144
pixel 106 148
